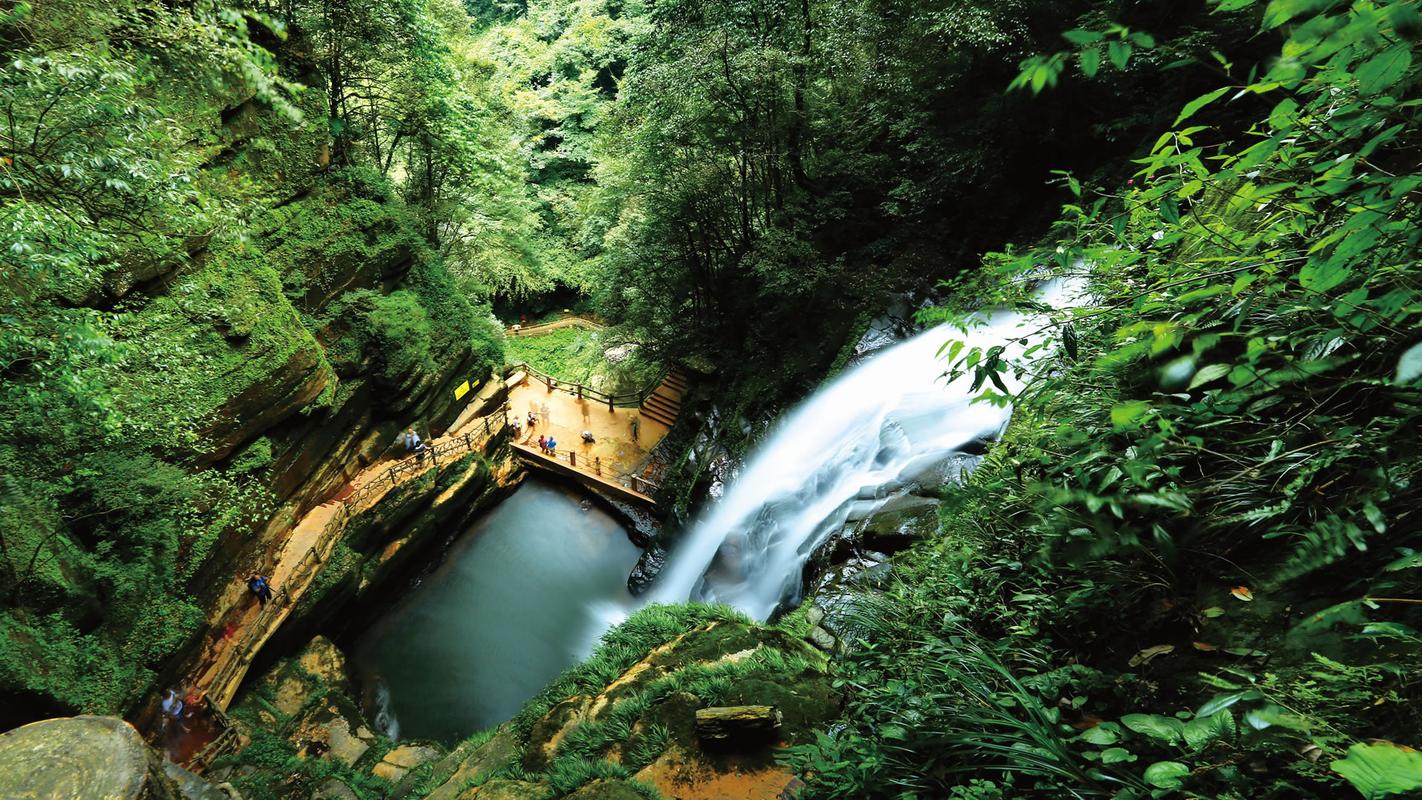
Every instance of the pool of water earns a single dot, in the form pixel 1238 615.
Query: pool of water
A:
pixel 522 595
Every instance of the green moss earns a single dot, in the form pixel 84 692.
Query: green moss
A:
pixel 579 356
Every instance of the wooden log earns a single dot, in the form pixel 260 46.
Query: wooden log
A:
pixel 737 723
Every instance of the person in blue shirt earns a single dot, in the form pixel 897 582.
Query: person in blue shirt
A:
pixel 261 588
pixel 552 446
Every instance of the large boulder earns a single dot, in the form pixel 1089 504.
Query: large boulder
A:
pixel 81 758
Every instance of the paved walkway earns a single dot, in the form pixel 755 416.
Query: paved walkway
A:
pixel 568 417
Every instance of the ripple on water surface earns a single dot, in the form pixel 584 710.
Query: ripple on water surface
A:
pixel 521 596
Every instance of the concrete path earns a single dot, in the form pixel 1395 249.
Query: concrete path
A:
pixel 567 417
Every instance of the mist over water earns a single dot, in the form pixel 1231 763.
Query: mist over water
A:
pixel 848 448
pixel 519 598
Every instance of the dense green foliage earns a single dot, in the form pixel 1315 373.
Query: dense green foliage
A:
pixel 1191 565
pixel 196 265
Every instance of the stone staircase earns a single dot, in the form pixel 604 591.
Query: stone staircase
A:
pixel 664 403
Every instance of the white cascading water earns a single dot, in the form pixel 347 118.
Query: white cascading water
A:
pixel 874 428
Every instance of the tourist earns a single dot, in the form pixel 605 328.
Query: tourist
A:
pixel 411 439
pixel 261 588
pixel 543 412
pixel 552 446
pixel 532 419
pixel 193 701
pixel 172 705
pixel 543 443
pixel 588 437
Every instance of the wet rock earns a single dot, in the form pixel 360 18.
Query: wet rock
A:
pixel 651 562
pixel 194 788
pixel 822 639
pixel 465 766
pixel 814 615
pixel 345 744
pixel 606 790
pixel 334 790
pixel 722 724
pixel 324 661
pixel 504 790
pixel 949 471
pixel 81 758
pixel 398 762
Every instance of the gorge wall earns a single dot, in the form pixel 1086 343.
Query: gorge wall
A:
pixel 259 370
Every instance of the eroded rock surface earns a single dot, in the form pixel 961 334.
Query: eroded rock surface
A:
pixel 81 758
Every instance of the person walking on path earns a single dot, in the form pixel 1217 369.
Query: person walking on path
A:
pixel 410 439
pixel 261 588
pixel 543 412
pixel 173 705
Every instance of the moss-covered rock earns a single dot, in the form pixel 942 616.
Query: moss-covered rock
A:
pixel 622 724
pixel 81 758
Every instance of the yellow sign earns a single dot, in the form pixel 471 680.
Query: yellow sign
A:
pixel 461 390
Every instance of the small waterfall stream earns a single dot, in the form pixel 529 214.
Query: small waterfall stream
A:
pixel 853 443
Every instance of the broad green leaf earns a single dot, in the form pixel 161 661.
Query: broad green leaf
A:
pixel 1198 103
pixel 1105 733
pixel 1209 373
pixel 1090 61
pixel 1119 52
pixel 1283 115
pixel 1380 72
pixel 1083 36
pixel 1269 715
pixel 1409 561
pixel 1166 729
pixel 1166 774
pixel 1381 770
pixel 1116 755
pixel 1125 414
pixel 1217 704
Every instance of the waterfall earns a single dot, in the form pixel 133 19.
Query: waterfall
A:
pixel 857 440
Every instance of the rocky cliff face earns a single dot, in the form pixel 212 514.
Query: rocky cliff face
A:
pixel 256 375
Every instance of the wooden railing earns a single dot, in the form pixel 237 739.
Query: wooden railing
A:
pixel 607 470
pixel 563 321
pixel 226 741
pixel 443 451
pixel 578 390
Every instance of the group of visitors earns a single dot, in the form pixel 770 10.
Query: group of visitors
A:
pixel 548 445
pixel 414 444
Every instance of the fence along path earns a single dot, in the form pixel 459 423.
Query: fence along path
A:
pixel 306 548
pixel 621 479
